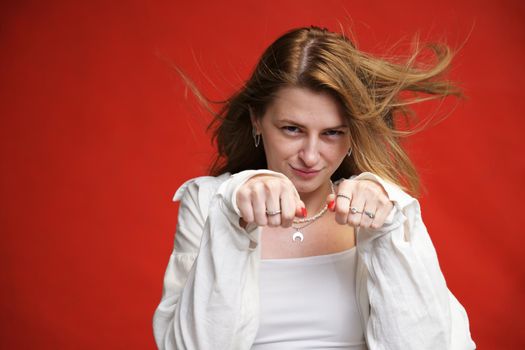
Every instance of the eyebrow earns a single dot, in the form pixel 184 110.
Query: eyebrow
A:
pixel 289 121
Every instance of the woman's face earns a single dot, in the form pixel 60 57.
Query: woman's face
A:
pixel 305 136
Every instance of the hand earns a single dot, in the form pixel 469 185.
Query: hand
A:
pixel 360 203
pixel 263 194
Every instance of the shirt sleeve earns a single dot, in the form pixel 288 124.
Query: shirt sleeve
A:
pixel 410 304
pixel 202 306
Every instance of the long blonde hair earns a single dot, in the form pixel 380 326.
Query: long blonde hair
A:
pixel 370 90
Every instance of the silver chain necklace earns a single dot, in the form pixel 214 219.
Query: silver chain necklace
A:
pixel 298 235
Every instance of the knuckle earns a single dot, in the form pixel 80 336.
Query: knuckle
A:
pixel 257 192
pixel 341 210
pixel 370 189
pixel 345 185
pixel 286 223
pixel 272 185
pixel 287 188
pixel 257 186
pixel 361 185
pixel 245 213
pixel 375 225
pixel 354 221
pixel 340 219
pixel 287 217
pixel 243 194
pixel 286 182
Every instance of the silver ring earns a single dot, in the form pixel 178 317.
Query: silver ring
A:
pixel 355 211
pixel 370 214
pixel 344 196
pixel 275 212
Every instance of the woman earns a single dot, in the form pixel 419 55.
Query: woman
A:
pixel 303 238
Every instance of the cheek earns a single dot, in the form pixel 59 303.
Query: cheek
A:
pixel 336 152
pixel 281 154
pixel 339 159
pixel 280 151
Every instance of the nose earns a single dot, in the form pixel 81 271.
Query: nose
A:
pixel 309 153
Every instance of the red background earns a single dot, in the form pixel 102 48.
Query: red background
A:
pixel 96 134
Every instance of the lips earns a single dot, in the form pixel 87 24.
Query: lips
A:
pixel 307 173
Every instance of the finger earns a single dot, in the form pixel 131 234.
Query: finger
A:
pixel 300 209
pixel 382 213
pixel 288 207
pixel 273 203
pixel 258 199
pixel 357 204
pixel 370 209
pixel 342 201
pixel 342 209
pixel 330 202
pixel 245 206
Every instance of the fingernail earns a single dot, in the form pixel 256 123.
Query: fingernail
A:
pixel 331 205
pixel 303 211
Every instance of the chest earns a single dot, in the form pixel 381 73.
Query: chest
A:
pixel 309 302
pixel 325 236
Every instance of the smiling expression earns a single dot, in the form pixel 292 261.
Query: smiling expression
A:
pixel 305 136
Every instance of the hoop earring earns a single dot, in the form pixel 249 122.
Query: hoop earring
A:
pixel 349 153
pixel 256 137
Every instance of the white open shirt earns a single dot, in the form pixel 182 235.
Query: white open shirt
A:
pixel 210 298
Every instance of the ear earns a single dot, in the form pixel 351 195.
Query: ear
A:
pixel 255 121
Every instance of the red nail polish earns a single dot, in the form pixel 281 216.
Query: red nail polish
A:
pixel 331 205
pixel 303 211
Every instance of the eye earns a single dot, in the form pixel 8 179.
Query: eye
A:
pixel 334 133
pixel 290 129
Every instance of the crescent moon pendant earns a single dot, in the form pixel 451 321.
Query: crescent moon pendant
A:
pixel 298 235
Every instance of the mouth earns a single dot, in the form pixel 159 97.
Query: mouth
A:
pixel 305 173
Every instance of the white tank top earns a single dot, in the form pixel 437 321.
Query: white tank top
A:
pixel 309 303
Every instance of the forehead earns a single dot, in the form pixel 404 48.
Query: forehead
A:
pixel 306 106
